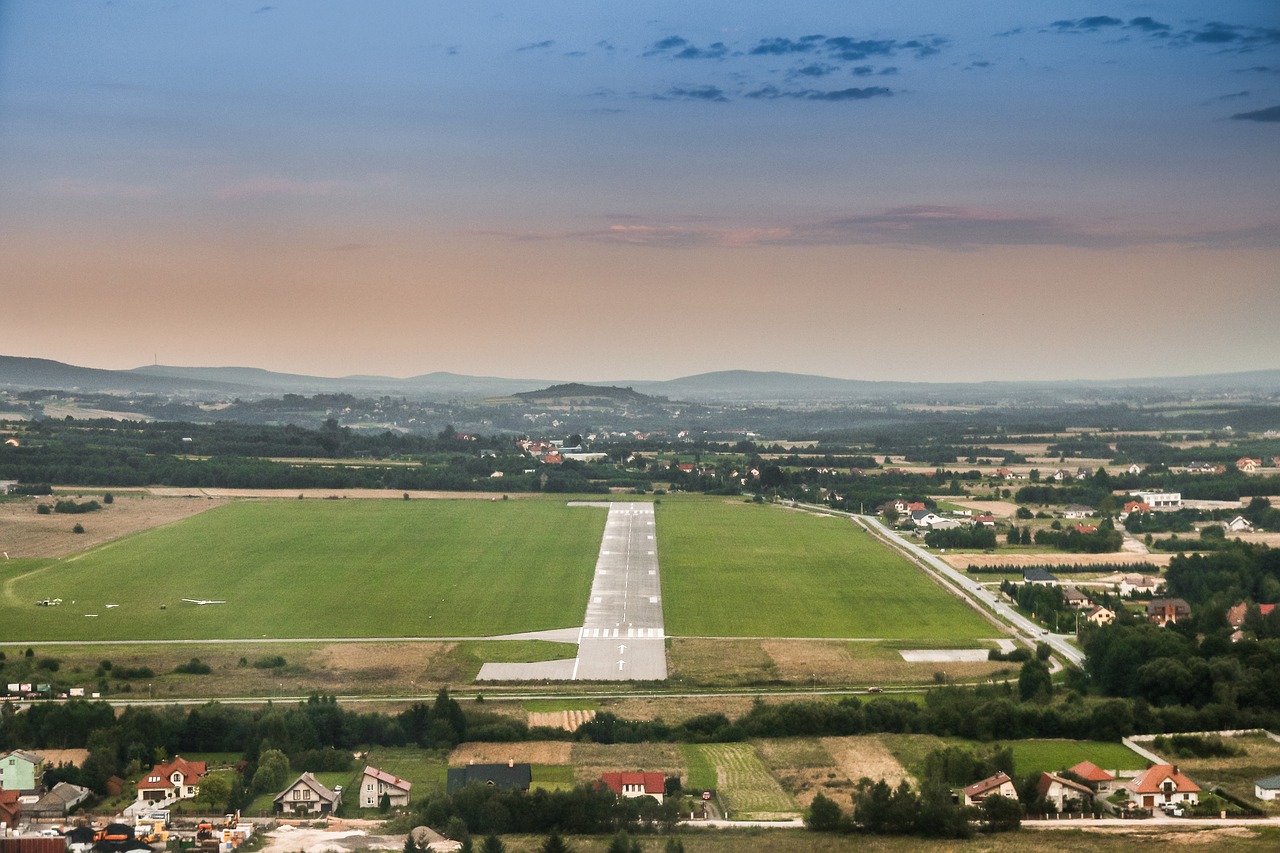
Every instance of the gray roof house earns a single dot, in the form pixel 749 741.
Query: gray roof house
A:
pixel 508 777
pixel 307 796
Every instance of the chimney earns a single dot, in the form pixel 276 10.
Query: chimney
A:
pixel 1175 770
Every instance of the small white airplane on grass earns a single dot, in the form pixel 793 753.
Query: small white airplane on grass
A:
pixel 202 601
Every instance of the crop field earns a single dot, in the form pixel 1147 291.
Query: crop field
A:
pixel 358 568
pixel 818 577
pixel 1034 756
pixel 745 785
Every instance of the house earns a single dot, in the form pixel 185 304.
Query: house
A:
pixel 1077 511
pixel 1100 616
pixel 374 783
pixel 10 808
pixel 1102 781
pixel 636 784
pixel 21 770
pixel 1205 468
pixel 178 779
pixel 1160 500
pixel 924 518
pixel 1239 524
pixel 1267 789
pixel 1131 507
pixel 984 520
pixel 1132 583
pixel 1060 791
pixel 1237 614
pixel 1085 528
pixel 1060 475
pixel 61 799
pixel 1074 598
pixel 306 796
pixel 1160 784
pixel 945 524
pixel 1038 576
pixel 1162 611
pixel 1006 474
pixel 1083 473
pixel 6 486
pixel 1248 465
pixel 1134 468
pixel 506 777
pixel 999 785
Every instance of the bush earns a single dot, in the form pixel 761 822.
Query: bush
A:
pixel 108 498
pixel 269 662
pixel 193 667
pixel 43 509
pixel 79 528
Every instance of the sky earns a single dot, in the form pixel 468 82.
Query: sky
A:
pixel 926 191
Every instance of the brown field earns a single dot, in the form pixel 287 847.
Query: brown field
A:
pixel 719 663
pixel 826 662
pixel 24 533
pixel 531 752
pixel 592 759
pixel 1139 561
pixel 570 721
pixel 1000 509
pixel 678 710
pixel 56 757
pixel 804 767
pixel 866 756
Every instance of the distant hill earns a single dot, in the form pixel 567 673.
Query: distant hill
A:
pixel 578 392
pixel 729 386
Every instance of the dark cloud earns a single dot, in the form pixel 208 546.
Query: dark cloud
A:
pixel 1148 24
pixel 1086 25
pixel 770 93
pixel 1259 69
pixel 856 50
pixel 980 63
pixel 1233 96
pixel 537 45
pixel 716 50
pixel 695 93
pixel 1268 114
pixel 666 45
pixel 1238 38
pixel 262 10
pixel 783 46
pixel 814 70
pixel 677 47
pixel 576 53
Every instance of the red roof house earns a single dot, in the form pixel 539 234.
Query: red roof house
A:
pixel 636 784
pixel 1093 774
pixel 10 808
pixel 1160 784
pixel 178 779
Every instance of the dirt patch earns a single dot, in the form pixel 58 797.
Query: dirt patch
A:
pixel 570 721
pixel 1000 509
pixel 532 752
pixel 26 533
pixel 866 756
pixel 827 663
pixel 391 662
pixel 57 757
pixel 289 839
pixel 963 561
pixel 679 710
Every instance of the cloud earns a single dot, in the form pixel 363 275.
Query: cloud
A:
pixel 1086 25
pixel 665 45
pixel 270 187
pixel 784 46
pixel 931 226
pixel 1231 97
pixel 769 93
pixel 537 45
pixel 1239 38
pixel 677 47
pixel 695 93
pixel 262 10
pixel 1227 37
pixel 1268 114
pixel 814 70
pixel 1259 69
pixel 1147 24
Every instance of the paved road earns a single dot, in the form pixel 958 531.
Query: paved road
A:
pixel 622 637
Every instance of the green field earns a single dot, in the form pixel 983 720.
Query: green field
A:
pixel 1034 756
pixel 733 569
pixel 357 568
pixel 743 782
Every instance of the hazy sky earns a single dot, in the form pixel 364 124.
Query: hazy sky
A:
pixel 599 190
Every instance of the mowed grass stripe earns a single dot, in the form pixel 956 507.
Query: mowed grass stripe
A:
pixel 361 568
pixel 745 785
pixel 733 569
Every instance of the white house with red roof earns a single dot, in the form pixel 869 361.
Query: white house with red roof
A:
pixel 1102 781
pixel 178 779
pixel 374 783
pixel 1160 784
pixel 636 784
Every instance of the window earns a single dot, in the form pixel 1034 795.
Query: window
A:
pixel 306 794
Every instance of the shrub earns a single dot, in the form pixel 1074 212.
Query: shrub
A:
pixel 79 528
pixel 269 662
pixel 193 667
pixel 43 509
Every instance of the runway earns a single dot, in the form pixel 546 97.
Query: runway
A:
pixel 622 637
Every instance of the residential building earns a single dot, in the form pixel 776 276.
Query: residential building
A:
pixel 1100 615
pixel 999 785
pixel 1162 611
pixel 508 777
pixel 1267 789
pixel 1074 598
pixel 1160 784
pixel 61 799
pixel 178 779
pixel 1060 791
pixel 1077 511
pixel 636 784
pixel 1102 781
pixel 1239 524
pixel 1248 465
pixel 374 783
pixel 1039 576
pixel 21 770
pixel 10 808
pixel 1160 500
pixel 307 796
pixel 1132 583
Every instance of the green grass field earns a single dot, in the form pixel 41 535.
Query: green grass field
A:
pixel 1034 756
pixel 745 786
pixel 732 569
pixel 359 568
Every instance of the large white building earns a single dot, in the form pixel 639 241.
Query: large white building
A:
pixel 1160 500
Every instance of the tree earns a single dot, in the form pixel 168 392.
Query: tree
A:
pixel 1001 814
pixel 272 772
pixel 493 844
pixel 384 802
pixel 215 792
pixel 673 845
pixel 108 498
pixel 824 815
pixel 555 844
pixel 1034 681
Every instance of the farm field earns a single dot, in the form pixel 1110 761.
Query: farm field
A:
pixel 746 787
pixel 321 569
pixel 1045 755
pixel 821 577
